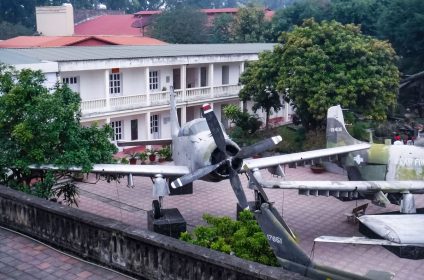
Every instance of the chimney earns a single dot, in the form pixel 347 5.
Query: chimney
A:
pixel 55 20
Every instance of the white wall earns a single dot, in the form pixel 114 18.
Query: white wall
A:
pixel 134 81
pixel 55 20
pixel 234 73
pixel 50 81
pixel 92 84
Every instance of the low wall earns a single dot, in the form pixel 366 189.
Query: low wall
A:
pixel 131 250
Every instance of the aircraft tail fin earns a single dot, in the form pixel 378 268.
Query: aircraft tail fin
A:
pixel 175 127
pixel 337 134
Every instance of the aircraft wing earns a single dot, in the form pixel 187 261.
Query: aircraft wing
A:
pixel 403 229
pixel 397 230
pixel 347 186
pixel 162 141
pixel 136 170
pixel 265 162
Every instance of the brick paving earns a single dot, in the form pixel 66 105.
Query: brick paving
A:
pixel 309 217
pixel 24 259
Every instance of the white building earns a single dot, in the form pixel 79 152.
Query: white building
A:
pixel 128 86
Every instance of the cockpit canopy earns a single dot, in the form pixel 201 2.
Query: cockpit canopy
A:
pixel 193 127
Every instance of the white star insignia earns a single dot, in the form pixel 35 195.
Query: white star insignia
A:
pixel 358 159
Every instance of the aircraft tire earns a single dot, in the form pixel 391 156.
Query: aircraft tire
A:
pixel 156 209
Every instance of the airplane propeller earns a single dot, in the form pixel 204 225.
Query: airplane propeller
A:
pixel 219 139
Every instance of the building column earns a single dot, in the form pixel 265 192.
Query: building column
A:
pixel 241 67
pixel 146 76
pixel 183 114
pixel 149 135
pixel 183 81
pixel 211 81
pixel 107 94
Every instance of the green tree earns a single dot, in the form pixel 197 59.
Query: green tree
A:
pixel 180 26
pixel 260 84
pixel 9 30
pixel 295 14
pixel 324 64
pixel 221 28
pixel 360 12
pixel 250 26
pixel 42 127
pixel 402 22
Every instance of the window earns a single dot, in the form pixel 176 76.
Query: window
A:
pixel 203 79
pixel 154 124
pixel 115 83
pixel 117 130
pixel 72 83
pixel 153 80
pixel 134 129
pixel 225 75
pixel 70 80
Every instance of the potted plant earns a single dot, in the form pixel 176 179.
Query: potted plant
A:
pixel 124 161
pixel 165 154
pixel 317 168
pixel 143 157
pixel 132 157
pixel 151 153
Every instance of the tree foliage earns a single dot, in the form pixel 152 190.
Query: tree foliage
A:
pixel 295 14
pixel 221 29
pixel 180 26
pixel 402 22
pixel 250 26
pixel 9 30
pixel 260 86
pixel 39 127
pixel 244 238
pixel 244 121
pixel 324 64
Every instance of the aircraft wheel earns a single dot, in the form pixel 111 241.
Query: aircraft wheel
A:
pixel 156 209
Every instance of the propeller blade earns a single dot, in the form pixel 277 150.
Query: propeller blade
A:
pixel 214 127
pixel 199 173
pixel 259 147
pixel 238 189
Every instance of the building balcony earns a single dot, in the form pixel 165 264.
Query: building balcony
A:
pixel 131 102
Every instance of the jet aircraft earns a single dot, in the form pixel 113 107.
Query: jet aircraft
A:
pixel 398 174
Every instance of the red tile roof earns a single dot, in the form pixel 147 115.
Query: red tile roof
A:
pixel 108 25
pixel 60 41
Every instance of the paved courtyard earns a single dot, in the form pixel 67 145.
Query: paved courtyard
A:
pixel 309 217
pixel 24 259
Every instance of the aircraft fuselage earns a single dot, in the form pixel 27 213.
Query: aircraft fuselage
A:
pixel 387 162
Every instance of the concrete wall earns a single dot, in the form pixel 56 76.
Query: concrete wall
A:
pixel 55 20
pixel 134 251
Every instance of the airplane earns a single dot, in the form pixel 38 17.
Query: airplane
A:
pixel 202 150
pixel 398 173
pixel 282 241
pixel 384 173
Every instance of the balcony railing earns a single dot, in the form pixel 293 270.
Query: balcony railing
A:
pixel 128 102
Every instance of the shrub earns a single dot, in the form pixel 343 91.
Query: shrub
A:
pixel 243 238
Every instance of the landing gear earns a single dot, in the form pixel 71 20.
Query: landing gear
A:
pixel 156 207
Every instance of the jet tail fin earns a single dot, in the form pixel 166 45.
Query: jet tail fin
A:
pixel 337 134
